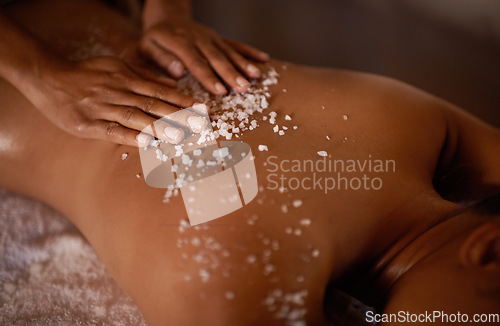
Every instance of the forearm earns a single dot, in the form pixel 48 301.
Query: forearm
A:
pixel 156 11
pixel 22 55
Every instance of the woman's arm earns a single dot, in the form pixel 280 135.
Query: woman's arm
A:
pixel 100 98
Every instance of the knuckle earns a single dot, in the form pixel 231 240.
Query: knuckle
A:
pixel 127 115
pixel 111 129
pixel 182 42
pixel 199 63
pixel 150 105
pixel 161 92
pixel 78 127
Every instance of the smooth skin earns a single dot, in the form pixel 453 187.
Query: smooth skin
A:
pixel 403 247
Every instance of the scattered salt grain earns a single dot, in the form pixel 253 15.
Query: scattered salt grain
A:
pixel 138 176
pixel 287 117
pixel 204 275
pixel 305 222
pixel 263 148
pixel 295 127
pixel 251 259
pixel 196 241
pixel 124 156
pixel 345 117
pixel 288 230
pixel 315 253
pixel 269 268
pixel 284 90
pixel 327 137
pixel 297 232
pixel 322 153
pixel 297 203
pixel 276 128
pixel 229 295
pixel 284 208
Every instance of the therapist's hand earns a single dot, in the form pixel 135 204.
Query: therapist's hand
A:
pixel 176 43
pixel 103 98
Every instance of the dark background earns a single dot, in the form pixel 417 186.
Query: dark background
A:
pixel 450 48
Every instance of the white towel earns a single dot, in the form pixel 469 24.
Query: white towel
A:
pixel 50 275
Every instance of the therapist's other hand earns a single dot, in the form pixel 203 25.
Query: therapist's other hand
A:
pixel 103 98
pixel 178 45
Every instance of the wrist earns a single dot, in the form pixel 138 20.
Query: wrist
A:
pixel 160 11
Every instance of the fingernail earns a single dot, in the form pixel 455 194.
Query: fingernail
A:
pixel 200 108
pixel 253 71
pixel 174 134
pixel 176 68
pixel 143 139
pixel 221 90
pixel 242 82
pixel 197 124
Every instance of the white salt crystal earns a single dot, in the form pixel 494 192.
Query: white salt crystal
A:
pixel 345 117
pixel 297 232
pixel 281 133
pixel 287 117
pixel 297 203
pixel 196 241
pixel 305 222
pixel 315 253
pixel 269 268
pixel 327 138
pixel 322 153
pixel 124 156
pixel 263 148
pixel 251 259
pixel 204 275
pixel 276 128
pixel 229 295
pixel 284 209
pixel 197 152
pixel 295 127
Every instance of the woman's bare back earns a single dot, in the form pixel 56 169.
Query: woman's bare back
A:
pixel 275 256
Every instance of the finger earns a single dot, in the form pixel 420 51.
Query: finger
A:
pixel 151 76
pixel 160 92
pixel 248 51
pixel 114 132
pixel 238 60
pixel 224 68
pixel 195 119
pixel 163 58
pixel 193 61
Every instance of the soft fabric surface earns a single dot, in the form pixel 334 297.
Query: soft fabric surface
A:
pixel 50 275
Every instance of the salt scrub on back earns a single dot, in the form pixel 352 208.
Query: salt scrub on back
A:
pixel 233 114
